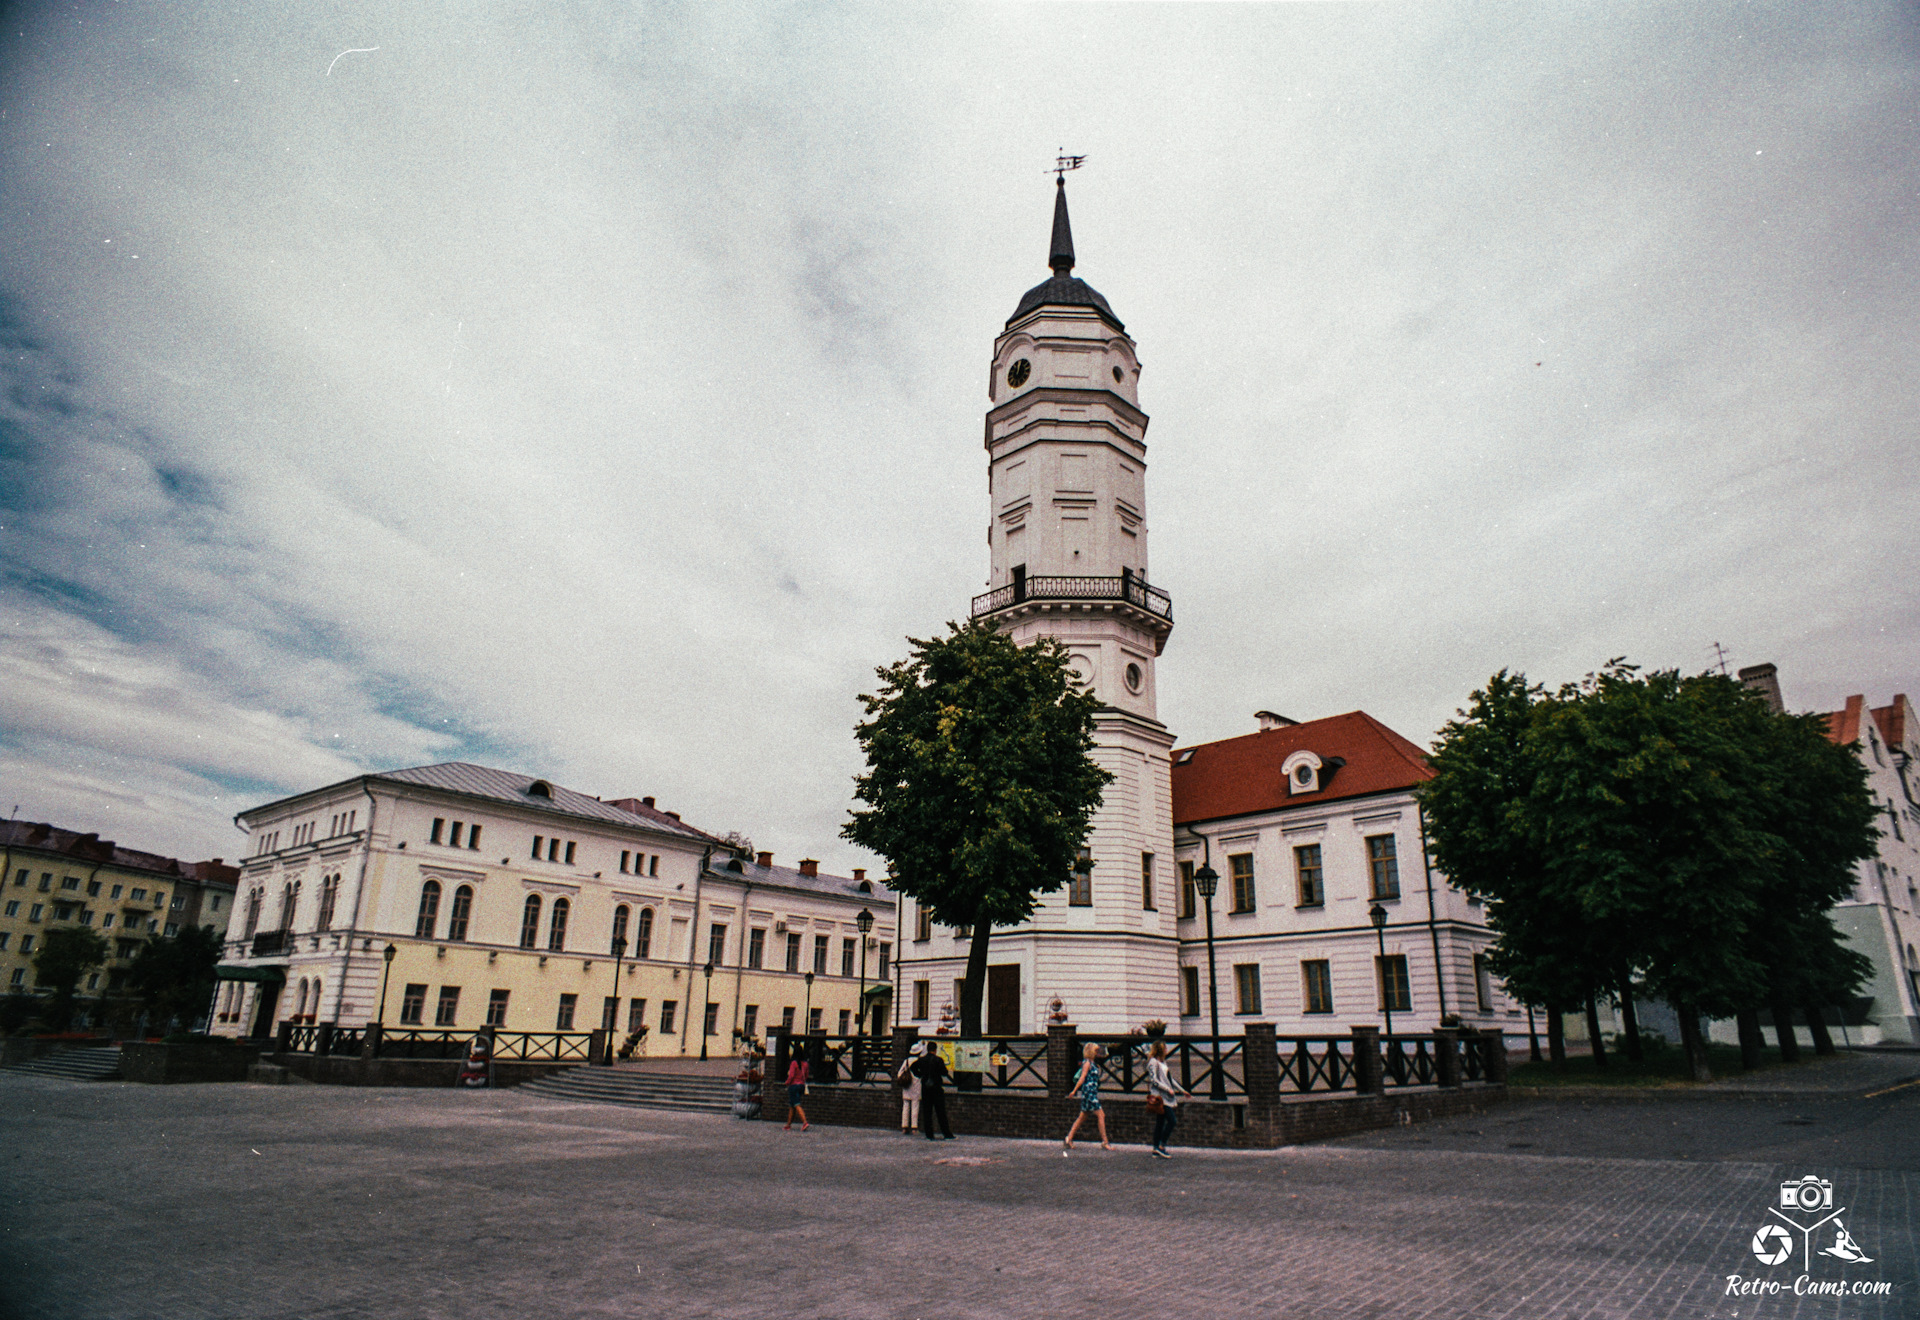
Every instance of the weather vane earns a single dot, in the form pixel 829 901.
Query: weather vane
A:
pixel 1063 162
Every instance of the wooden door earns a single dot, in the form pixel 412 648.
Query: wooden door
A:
pixel 1003 999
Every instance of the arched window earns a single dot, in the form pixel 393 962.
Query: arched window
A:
pixel 643 937
pixel 300 1005
pixel 462 913
pixel 289 898
pixel 619 930
pixel 429 910
pixel 329 895
pixel 313 1001
pixel 557 926
pixel 530 922
pixel 253 915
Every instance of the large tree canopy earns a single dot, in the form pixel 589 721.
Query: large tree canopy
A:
pixel 1674 829
pixel 66 954
pixel 979 789
pixel 175 974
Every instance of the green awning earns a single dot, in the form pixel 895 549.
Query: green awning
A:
pixel 272 975
pixel 876 991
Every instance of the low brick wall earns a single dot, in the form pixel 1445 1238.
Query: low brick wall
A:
pixel 351 1070
pixel 194 1061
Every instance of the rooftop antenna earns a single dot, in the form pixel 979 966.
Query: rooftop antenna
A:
pixel 1062 163
pixel 1720 658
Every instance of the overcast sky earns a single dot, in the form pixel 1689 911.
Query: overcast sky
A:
pixel 596 392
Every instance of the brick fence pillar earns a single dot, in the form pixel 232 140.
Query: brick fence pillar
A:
pixel 283 1038
pixel 1260 1064
pixel 773 1086
pixel 1369 1077
pixel 600 1047
pixel 323 1039
pixel 1062 1060
pixel 1495 1058
pixel 903 1042
pixel 370 1040
pixel 1446 1056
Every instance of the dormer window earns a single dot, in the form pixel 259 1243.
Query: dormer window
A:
pixel 540 788
pixel 1303 772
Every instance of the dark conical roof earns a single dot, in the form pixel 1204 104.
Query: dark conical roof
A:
pixel 1063 290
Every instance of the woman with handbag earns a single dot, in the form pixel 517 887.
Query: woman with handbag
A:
pixel 1088 1085
pixel 910 1091
pixel 796 1089
pixel 1162 1103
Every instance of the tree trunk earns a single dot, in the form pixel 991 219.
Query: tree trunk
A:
pixel 1690 1040
pixel 1556 1038
pixel 1595 1044
pixel 1533 1037
pixel 1817 1028
pixel 1783 1030
pixel 1630 1020
pixel 972 991
pixel 1748 1020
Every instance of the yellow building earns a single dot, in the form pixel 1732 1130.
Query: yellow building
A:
pixel 50 877
pixel 512 900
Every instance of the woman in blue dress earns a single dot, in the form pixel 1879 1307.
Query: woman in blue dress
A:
pixel 1088 1085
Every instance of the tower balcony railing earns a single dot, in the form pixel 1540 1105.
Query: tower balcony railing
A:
pixel 1134 590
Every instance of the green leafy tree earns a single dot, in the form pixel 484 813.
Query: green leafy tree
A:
pixel 174 975
pixel 66 954
pixel 979 788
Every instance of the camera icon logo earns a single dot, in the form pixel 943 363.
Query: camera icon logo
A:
pixel 1808 1193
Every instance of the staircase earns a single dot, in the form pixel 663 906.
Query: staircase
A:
pixel 89 1063
pixel 638 1090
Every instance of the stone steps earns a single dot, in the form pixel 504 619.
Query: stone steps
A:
pixel 693 1094
pixel 92 1063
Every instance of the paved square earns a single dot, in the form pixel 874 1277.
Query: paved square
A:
pixel 256 1201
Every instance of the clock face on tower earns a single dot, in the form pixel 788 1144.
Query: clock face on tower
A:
pixel 1017 373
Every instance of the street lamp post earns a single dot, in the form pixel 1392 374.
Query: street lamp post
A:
pixel 619 951
pixel 1205 882
pixel 706 1016
pixel 865 924
pixel 381 1021
pixel 1378 915
pixel 806 1020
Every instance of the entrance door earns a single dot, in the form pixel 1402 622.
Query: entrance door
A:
pixel 264 1005
pixel 1003 999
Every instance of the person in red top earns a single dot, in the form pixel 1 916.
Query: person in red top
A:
pixel 796 1088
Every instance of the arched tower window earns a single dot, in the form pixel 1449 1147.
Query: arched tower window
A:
pixel 289 899
pixel 253 915
pixel 329 896
pixel 461 914
pixel 619 929
pixel 643 935
pixel 530 922
pixel 557 926
pixel 429 910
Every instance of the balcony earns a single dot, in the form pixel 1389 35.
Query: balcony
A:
pixel 1133 590
pixel 269 942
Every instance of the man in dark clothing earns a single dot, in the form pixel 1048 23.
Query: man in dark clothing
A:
pixel 932 1072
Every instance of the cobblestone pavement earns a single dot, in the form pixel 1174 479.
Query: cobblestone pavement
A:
pixel 181 1202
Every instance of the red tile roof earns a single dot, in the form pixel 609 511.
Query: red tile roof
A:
pixel 86 848
pixel 1239 776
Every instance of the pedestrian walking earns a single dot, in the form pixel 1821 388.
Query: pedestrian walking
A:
pixel 1162 1098
pixel 932 1072
pixel 796 1091
pixel 910 1091
pixel 1088 1085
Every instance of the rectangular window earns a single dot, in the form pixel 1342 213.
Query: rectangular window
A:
pixel 609 1012
pixel 846 960
pixel 4 937
pixel 922 922
pixel 19 975
pixel 1080 881
pixel 537 841
pixel 136 896
pixel 1190 992
pixel 1396 992
pixel 750 1019
pixel 786 1019
pixel 473 838
pixel 1147 903
pixel 1306 866
pixel 21 879
pixel 497 1007
pixel 439 825
pixel 1189 900
pixel 793 952
pixel 93 891
pixel 33 914
pixel 1246 988
pixel 553 850
pixel 813 1021
pixel 453 834
pixel 563 1020
pixel 1383 861
pixel 757 947
pixel 70 882
pixel 569 854
pixel 922 993
pixel 624 855
pixel 716 945
pixel 1483 983
pixel 173 927
pixel 106 922
pixel 636 1015
pixel 1241 866
pixel 820 955
pixel 26 946
pixel 846 1021
pixel 1316 985
pixel 886 960
pixel 448 1008
pixel 13 908
pixel 713 1020
pixel 653 865
pixel 413 1005
pixel 113 893
pixel 669 1008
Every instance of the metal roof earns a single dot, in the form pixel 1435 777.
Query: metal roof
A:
pixel 786 877
pixel 510 786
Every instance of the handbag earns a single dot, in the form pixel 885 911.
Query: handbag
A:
pixel 1156 1105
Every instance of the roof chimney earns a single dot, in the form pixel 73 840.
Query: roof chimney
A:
pixel 1764 679
pixel 646 802
pixel 1268 720
pixel 859 874
pixel 808 866
pixel 765 858
pixel 671 814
